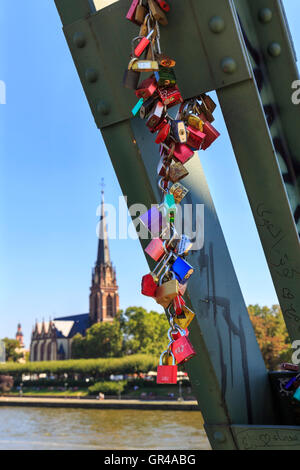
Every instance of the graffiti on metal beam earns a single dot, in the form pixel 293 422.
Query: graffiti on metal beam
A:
pixel 290 168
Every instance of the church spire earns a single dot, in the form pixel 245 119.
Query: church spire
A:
pixel 104 297
pixel 103 248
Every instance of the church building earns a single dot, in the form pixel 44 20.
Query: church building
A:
pixel 52 340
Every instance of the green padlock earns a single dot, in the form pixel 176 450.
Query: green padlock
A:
pixel 165 77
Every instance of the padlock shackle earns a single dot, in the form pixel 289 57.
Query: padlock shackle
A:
pixel 164 261
pixel 168 242
pixel 160 184
pixel 169 352
pixel 160 282
pixel 175 330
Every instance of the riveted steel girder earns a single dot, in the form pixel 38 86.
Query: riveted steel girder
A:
pixel 100 47
pixel 228 375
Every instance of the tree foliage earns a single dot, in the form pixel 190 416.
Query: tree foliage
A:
pixel 134 331
pixel 271 334
pixel 11 345
pixel 97 368
pixel 101 340
pixel 145 332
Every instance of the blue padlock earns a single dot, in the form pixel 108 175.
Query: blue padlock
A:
pixel 182 269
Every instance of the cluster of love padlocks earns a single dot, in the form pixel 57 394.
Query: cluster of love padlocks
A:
pixel 293 385
pixel 179 137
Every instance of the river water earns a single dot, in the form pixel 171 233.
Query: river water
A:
pixel 80 429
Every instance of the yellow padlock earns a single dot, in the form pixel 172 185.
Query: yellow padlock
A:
pixel 145 65
pixel 185 318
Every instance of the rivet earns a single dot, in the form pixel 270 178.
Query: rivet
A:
pixel 91 75
pixel 217 24
pixel 265 15
pixel 219 437
pixel 274 49
pixel 79 40
pixel 228 65
pixel 103 108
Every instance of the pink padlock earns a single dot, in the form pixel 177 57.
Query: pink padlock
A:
pixel 155 249
pixel 131 12
pixel 195 138
pixel 182 152
pixel 181 347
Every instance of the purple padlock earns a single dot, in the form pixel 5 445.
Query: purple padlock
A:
pixel 154 220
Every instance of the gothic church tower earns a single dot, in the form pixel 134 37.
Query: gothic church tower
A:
pixel 104 297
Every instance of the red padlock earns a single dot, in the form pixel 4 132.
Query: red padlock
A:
pixel 178 303
pixel 163 134
pixel 147 88
pixel 211 135
pixel 148 285
pixel 163 5
pixel 170 96
pixel 144 42
pixel 181 347
pixel 166 374
pixel 158 126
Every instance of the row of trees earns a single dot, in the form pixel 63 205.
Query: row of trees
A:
pixel 135 331
pixel 271 334
pixel 139 331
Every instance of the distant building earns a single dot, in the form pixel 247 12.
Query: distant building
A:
pixel 21 350
pixel 52 340
pixel 19 335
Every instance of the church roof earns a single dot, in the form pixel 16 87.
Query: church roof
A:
pixel 79 324
pixel 63 328
pixel 66 327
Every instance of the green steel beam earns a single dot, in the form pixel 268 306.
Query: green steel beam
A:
pixel 273 59
pixel 255 154
pixel 228 374
pixel 224 62
pixel 267 437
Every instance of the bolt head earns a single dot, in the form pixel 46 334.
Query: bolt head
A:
pixel 274 49
pixel 228 65
pixel 103 108
pixel 79 39
pixel 91 75
pixel 216 24
pixel 265 15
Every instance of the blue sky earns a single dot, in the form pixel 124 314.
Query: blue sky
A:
pixel 52 161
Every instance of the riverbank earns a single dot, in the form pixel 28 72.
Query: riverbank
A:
pixel 99 404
